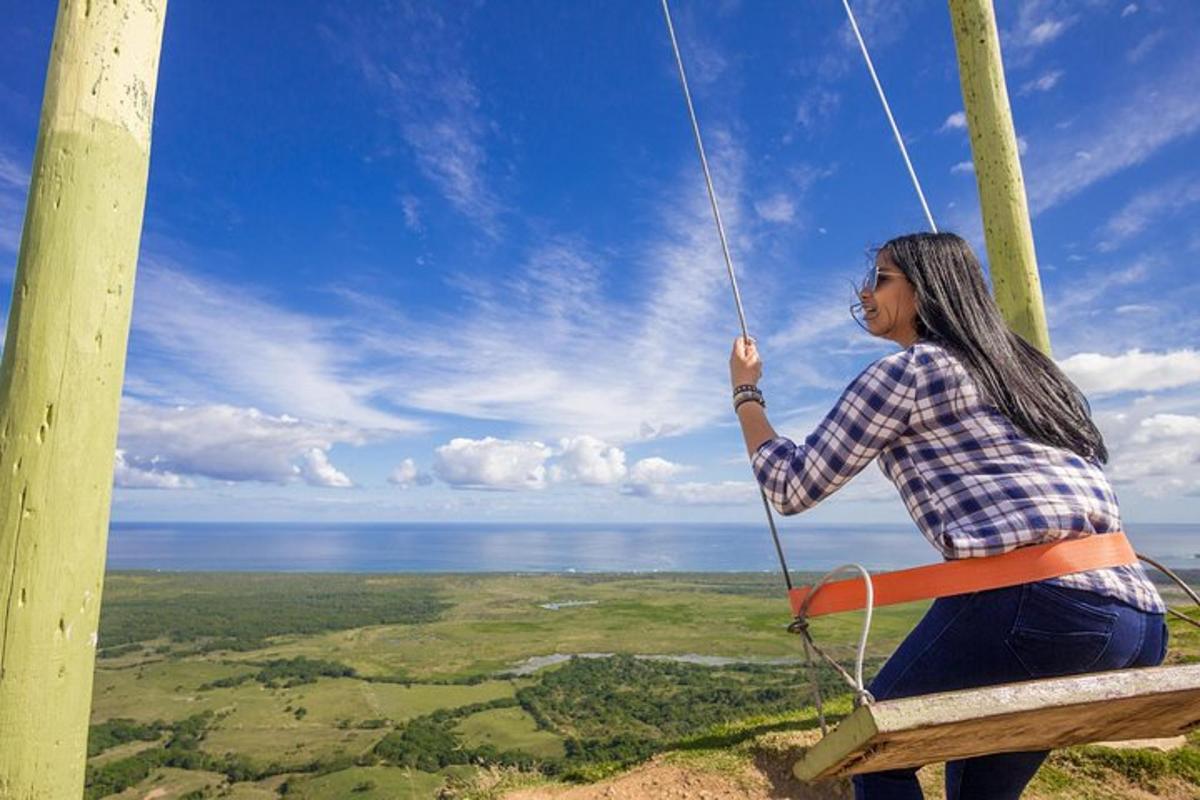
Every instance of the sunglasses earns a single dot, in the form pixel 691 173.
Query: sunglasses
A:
pixel 873 278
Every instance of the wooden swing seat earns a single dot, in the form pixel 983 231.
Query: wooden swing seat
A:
pixel 1144 703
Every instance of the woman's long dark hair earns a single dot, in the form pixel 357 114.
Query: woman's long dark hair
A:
pixel 955 310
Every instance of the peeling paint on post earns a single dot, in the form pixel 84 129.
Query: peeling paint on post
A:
pixel 60 382
pixel 998 171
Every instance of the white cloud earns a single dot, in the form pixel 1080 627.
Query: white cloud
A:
pixel 963 168
pixel 955 122
pixel 650 478
pixel 1046 31
pixel 316 470
pixel 654 470
pixel 1038 23
pixel 407 475
pixel 1148 207
pixel 1099 374
pixel 210 341
pixel 226 443
pixel 1043 83
pixel 12 174
pixel 1129 10
pixel 1128 130
pixel 1145 47
pixel 14 184
pixel 589 461
pixel 1157 453
pixel 411 207
pixel 1022 145
pixel 412 57
pixel 128 476
pixel 722 493
pixel 814 109
pixel 776 208
pixel 557 350
pixel 491 463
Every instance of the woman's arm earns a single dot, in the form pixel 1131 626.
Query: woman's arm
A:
pixel 872 411
pixel 745 368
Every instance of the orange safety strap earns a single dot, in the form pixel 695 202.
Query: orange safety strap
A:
pixel 960 576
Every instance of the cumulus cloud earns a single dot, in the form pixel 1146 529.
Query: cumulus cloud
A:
pixel 654 470
pixel 1156 452
pixel 148 476
pixel 491 463
pixel 228 443
pixel 316 470
pixel 651 478
pixel 589 461
pixel 1135 370
pixel 407 475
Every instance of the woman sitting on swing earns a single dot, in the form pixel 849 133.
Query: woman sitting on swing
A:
pixel 992 448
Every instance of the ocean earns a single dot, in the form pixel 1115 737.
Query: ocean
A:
pixel 538 547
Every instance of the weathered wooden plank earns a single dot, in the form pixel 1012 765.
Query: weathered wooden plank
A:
pixel 1032 715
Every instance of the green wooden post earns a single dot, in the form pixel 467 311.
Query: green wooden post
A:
pixel 60 382
pixel 998 171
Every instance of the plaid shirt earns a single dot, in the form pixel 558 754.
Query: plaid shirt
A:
pixel 973 483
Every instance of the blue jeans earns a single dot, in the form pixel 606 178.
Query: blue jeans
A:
pixel 1035 630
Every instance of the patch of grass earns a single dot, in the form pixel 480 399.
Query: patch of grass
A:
pixel 367 783
pixel 509 729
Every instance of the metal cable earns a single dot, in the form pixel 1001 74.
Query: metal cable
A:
pixel 888 110
pixel 716 211
pixel 1186 589
pixel 800 625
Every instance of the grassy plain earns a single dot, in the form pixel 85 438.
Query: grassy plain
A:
pixel 441 662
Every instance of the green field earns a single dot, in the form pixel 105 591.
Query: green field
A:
pixel 336 686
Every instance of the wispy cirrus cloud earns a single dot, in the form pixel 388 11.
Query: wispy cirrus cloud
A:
pixel 1127 130
pixel 199 340
pixel 1147 208
pixel 14 184
pixel 1043 83
pixel 1038 23
pixel 556 350
pixel 412 58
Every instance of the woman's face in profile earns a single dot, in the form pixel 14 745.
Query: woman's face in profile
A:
pixel 890 307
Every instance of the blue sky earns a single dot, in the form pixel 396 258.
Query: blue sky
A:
pixel 454 261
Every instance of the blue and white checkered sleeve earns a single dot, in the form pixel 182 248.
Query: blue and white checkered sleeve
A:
pixel 872 411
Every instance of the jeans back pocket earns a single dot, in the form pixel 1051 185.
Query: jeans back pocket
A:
pixel 1057 634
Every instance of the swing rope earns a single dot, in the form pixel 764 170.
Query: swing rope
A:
pixel 716 212
pixel 887 109
pixel 800 624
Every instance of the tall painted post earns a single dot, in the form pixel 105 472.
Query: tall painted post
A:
pixel 60 382
pixel 1006 224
